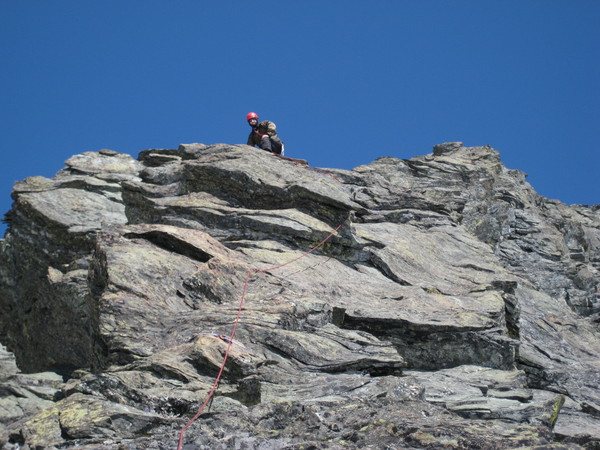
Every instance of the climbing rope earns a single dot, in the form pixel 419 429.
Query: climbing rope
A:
pixel 229 339
pixel 305 164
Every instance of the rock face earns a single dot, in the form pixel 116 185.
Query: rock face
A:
pixel 453 308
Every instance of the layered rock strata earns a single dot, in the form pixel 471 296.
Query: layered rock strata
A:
pixel 454 307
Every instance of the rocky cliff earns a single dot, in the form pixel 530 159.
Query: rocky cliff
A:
pixel 453 308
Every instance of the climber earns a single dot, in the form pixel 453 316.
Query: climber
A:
pixel 264 134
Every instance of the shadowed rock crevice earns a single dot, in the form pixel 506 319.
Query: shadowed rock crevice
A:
pixel 429 347
pixel 168 242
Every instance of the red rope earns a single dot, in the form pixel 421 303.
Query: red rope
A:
pixel 301 162
pixel 235 325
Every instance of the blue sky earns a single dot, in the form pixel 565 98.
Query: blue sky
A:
pixel 346 81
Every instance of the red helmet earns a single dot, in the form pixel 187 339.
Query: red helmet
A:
pixel 251 115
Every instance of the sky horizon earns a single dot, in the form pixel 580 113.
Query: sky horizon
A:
pixel 346 82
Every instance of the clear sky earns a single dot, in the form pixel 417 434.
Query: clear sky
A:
pixel 346 81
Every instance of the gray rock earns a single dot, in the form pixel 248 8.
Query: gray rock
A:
pixel 453 308
pixel 24 395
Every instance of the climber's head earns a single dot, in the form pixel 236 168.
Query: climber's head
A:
pixel 252 119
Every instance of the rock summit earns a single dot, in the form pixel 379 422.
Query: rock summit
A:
pixel 454 307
